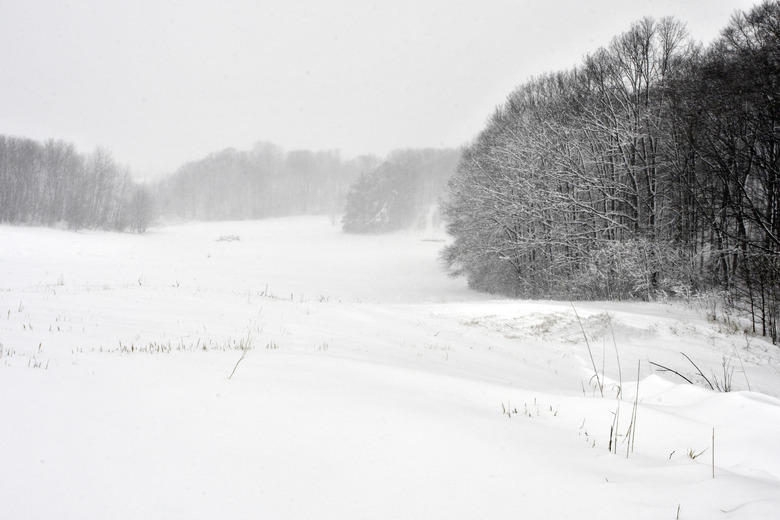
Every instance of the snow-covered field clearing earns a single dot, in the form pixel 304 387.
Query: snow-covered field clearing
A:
pixel 374 387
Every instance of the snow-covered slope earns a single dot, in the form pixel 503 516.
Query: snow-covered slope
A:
pixel 373 386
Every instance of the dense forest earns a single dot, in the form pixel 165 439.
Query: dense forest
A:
pixel 51 183
pixel 650 169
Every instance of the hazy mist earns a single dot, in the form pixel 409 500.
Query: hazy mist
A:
pixel 164 82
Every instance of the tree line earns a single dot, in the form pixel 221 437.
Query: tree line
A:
pixel 649 169
pixel 260 183
pixel 51 183
pixel 374 195
pixel 400 193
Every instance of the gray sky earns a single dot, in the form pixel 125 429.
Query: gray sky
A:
pixel 160 82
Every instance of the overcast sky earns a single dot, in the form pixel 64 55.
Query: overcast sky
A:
pixel 160 82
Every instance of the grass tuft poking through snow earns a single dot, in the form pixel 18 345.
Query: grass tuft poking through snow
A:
pixel 245 346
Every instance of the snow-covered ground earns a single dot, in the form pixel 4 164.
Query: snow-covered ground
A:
pixel 373 386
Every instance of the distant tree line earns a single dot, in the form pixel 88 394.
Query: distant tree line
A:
pixel 260 183
pixel 51 183
pixel 651 168
pixel 401 192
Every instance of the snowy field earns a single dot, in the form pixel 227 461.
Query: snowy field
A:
pixel 372 386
